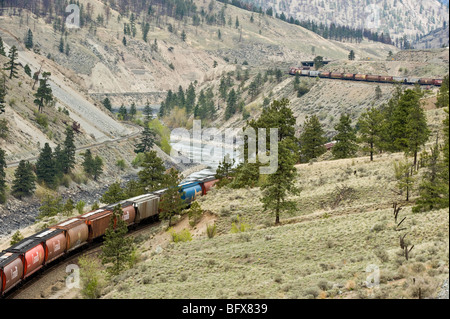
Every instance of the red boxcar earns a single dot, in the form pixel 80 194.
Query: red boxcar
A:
pixel 373 78
pixel 360 77
pixel 76 232
pixel 335 75
pixel 348 76
pixel 32 253
pixel 386 78
pixel 324 74
pixel 54 242
pixel 207 184
pixel 11 271
pixel 98 221
pixel 426 81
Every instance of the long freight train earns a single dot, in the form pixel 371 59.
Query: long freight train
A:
pixel 305 71
pixel 25 258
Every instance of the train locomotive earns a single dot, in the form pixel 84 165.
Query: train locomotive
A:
pixel 22 260
pixel 302 71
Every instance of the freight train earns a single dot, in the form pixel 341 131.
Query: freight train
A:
pixel 305 71
pixel 35 252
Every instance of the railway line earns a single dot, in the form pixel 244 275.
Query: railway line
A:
pixel 306 71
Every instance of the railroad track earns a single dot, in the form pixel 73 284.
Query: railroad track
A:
pixel 87 249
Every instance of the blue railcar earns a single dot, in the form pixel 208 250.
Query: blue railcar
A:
pixel 191 191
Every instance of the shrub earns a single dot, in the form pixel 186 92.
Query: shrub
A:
pixel 211 230
pixel 313 291
pixel 239 226
pixel 80 206
pixel 121 164
pixel 195 214
pixel 182 236
pixel 17 237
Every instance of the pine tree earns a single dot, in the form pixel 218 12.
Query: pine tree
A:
pixel 417 131
pixel 45 167
pixel 29 40
pixel 147 140
pixel 351 55
pixel 3 92
pixel 68 159
pixel 133 111
pixel 231 104
pixel 224 171
pixel 2 47
pixel 117 248
pixel 114 194
pixel 378 92
pixel 12 65
pixel 345 146
pixel 97 168
pixel 181 98
pixel 123 114
pixel 61 45
pixel 24 180
pixel 148 114
pixel 2 177
pixel 151 177
pixel 281 184
pixel 27 70
pixel 183 36
pixel 107 103
pixel 370 128
pixel 318 62
pixel 404 174
pixel 443 93
pixel 44 94
pixel 171 203
pixel 312 140
pixel 88 162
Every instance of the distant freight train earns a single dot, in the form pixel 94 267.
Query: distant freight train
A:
pixel 25 258
pixel 305 71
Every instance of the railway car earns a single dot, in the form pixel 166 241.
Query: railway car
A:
pixel 438 82
pixel 32 253
pixel 98 221
pixel 336 75
pixel 314 73
pixel 146 206
pixel 360 77
pixel 305 72
pixel 54 243
pixel 191 190
pixel 412 80
pixel 324 74
pixel 128 211
pixel 399 79
pixel 348 76
pixel 425 81
pixel 386 79
pixel 293 71
pixel 373 78
pixel 76 232
pixel 207 183
pixel 11 271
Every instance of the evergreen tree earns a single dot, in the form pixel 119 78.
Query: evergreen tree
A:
pixel 171 203
pixel 114 194
pixel 378 92
pixel 345 146
pixel 318 62
pixel 224 171
pixel 88 162
pixel 107 103
pixel 97 168
pixel 443 95
pixel 3 92
pixel 133 111
pixel 12 65
pixel 147 140
pixel 312 140
pixel 44 94
pixel 416 130
pixel 2 177
pixel 117 249
pixel 124 41
pixel 27 70
pixel 370 127
pixel 24 180
pixel 123 114
pixel 351 55
pixel 231 104
pixel 45 167
pixel 61 45
pixel 68 159
pixel 181 98
pixel 29 40
pixel 151 177
pixel 183 36
pixel 404 174
pixel 2 47
pixel 148 113
pixel 281 184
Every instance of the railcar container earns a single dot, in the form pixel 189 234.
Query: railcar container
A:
pixel 31 252
pixel 76 232
pixel 400 79
pixel 386 79
pixel 54 242
pixel 128 211
pixel 97 221
pixel 324 74
pixel 314 73
pixel 348 76
pixel 146 206
pixel 191 191
pixel 413 80
pixel 336 75
pixel 360 77
pixel 11 271
pixel 207 184
pixel 438 82
pixel 305 72
pixel 426 81
pixel 292 71
pixel 373 78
